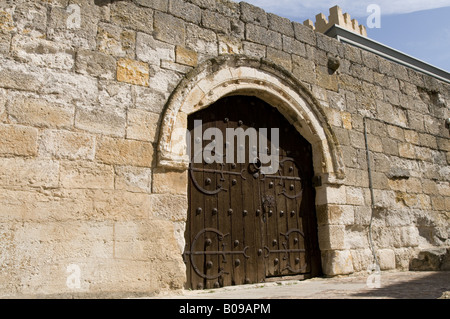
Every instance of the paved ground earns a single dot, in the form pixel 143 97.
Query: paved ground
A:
pixel 393 285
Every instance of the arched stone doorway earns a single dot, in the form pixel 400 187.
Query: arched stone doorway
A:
pixel 251 198
pixel 238 75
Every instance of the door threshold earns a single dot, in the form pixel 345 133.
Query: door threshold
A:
pixel 289 278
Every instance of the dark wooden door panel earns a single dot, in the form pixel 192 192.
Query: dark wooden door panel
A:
pixel 244 226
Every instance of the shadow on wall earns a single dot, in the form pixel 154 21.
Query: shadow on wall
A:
pixel 429 286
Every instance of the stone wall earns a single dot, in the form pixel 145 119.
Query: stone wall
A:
pixel 85 206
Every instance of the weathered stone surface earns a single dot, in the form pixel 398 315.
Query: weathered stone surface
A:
pixel 96 64
pixel 431 260
pixel 116 41
pixel 161 5
pixel 280 58
pixel 59 27
pixel 18 140
pixel 129 16
pixel 216 21
pixel 86 175
pixel 40 113
pixel 133 179
pixel 66 145
pixel 229 45
pixel 261 35
pixel 124 152
pixel 386 258
pixel 280 24
pixel 142 125
pixel 186 56
pixel 101 120
pixel 153 51
pixel 169 29
pixel 186 11
pixel 252 14
pixel 337 262
pixel 29 172
pixel 133 72
pixel 169 182
pixel 42 52
pixel 201 40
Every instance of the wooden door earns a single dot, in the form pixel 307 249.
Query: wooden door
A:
pixel 243 225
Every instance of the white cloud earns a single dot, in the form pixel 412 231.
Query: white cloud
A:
pixel 304 9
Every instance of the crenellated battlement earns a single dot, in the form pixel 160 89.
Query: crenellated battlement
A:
pixel 336 17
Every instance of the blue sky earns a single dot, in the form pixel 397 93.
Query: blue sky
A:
pixel 420 28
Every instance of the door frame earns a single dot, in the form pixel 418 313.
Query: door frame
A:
pixel 239 75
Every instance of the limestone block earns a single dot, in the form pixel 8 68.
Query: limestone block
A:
pixel 280 24
pixel 293 46
pixel 337 262
pixel 355 196
pixel 130 16
pixel 40 113
pixel 124 152
pixel 18 140
pixel 29 172
pixel 149 99
pixel 186 11
pixel 101 120
pixel 116 41
pixel 335 214
pixel 161 5
pixel 60 144
pixel 386 258
pixel 68 88
pixel 169 182
pixel 133 72
pixel 172 66
pixel 153 51
pixel 30 19
pixel 356 237
pixel 429 260
pixel 169 29
pixel 254 50
pixel 332 195
pixel 170 207
pixel 82 37
pixel 18 77
pixel 115 95
pixel 164 80
pixel 263 36
pixel 119 205
pixel 305 34
pixel 362 259
pixel 54 204
pixel 96 64
pixel 201 40
pixel 406 150
pixel 86 175
pixel 133 179
pixel 303 69
pixel 253 14
pixel 186 56
pixel 142 125
pixel 332 237
pixel 407 236
pixel 216 21
pixel 280 58
pixel 41 52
